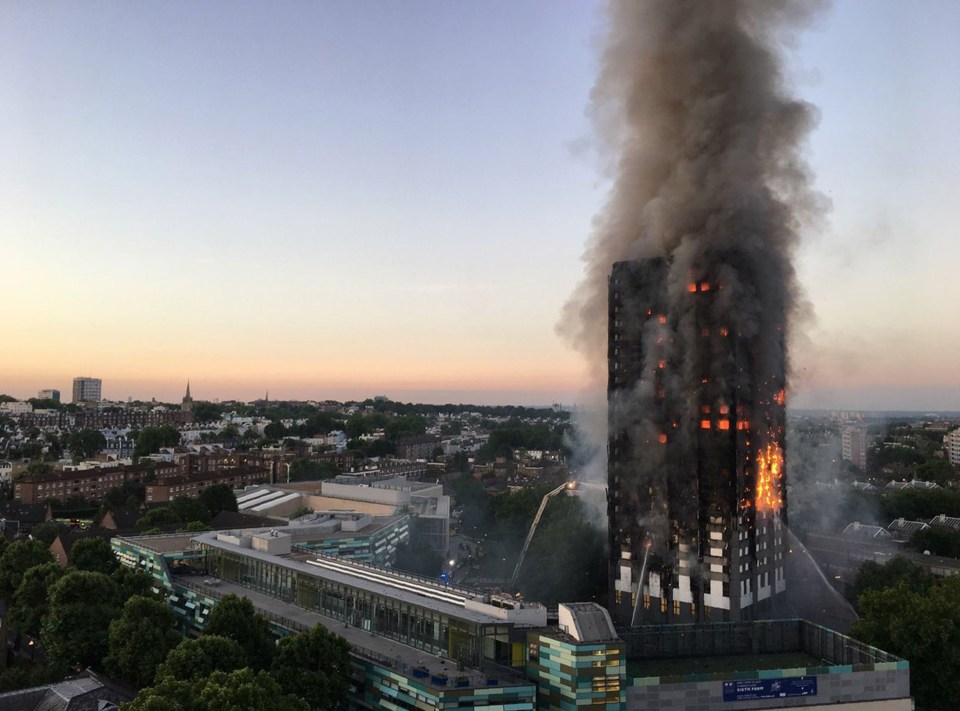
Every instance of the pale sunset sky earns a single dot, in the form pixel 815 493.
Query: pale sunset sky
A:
pixel 347 198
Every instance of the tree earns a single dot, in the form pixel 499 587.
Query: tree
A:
pixel 187 509
pixel 30 601
pixel 240 690
pixel 132 582
pixel 94 554
pixel 922 627
pixel 936 470
pixel 140 640
pixel 194 659
pixel 217 498
pixel 876 576
pixel 206 412
pixel 301 511
pixel 129 495
pixel 17 559
pixel 938 541
pixel 161 515
pixel 235 618
pixel 47 531
pixel 307 470
pixel 151 439
pixel 39 468
pixel 315 666
pixel 75 630
pixel 86 444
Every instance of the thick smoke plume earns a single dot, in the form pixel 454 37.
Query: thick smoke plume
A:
pixel 693 111
pixel 704 141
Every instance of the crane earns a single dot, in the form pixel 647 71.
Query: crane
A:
pixel 570 485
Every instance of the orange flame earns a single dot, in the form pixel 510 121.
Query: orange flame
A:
pixel 769 474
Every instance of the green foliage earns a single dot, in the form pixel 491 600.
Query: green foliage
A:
pixel 207 412
pixel 939 541
pixel 302 511
pixel 274 431
pixel 129 495
pixel 228 434
pixel 140 640
pixel 151 439
pixel 195 527
pixel 235 618
pixel 513 512
pixel 26 676
pixel 17 558
pixel 158 516
pixel 914 504
pixel 48 531
pixel 476 504
pixel 241 690
pixel 132 582
pixel 308 470
pixel 411 425
pixel 516 434
pixel 566 559
pixel 217 498
pixel 315 666
pixel 38 469
pixel 94 554
pixel 194 659
pixel 30 601
pixel 878 577
pixel 922 627
pixel 187 509
pixel 936 470
pixel 45 403
pixel 85 444
pixel 75 630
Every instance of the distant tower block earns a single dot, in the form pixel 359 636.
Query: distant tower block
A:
pixel 86 389
pixel 696 459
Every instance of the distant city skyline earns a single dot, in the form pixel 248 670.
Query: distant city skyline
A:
pixel 350 199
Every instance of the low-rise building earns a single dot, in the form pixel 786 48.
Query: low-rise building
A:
pixel 192 486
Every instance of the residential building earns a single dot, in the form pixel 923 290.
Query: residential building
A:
pixel 16 408
pixel 420 447
pixel 696 487
pixel 92 483
pixel 86 389
pixel 951 442
pixel 192 486
pixel 854 446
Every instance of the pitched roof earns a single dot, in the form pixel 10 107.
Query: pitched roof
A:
pixel 901 525
pixel 863 530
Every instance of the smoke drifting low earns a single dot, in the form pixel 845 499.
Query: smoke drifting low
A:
pixel 703 139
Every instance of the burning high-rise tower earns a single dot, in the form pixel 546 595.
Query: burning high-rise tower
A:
pixel 688 297
pixel 696 496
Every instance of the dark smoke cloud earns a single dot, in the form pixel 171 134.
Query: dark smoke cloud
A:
pixel 693 111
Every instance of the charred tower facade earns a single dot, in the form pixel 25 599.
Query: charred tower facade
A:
pixel 696 490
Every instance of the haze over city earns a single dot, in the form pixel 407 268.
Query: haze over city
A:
pixel 347 200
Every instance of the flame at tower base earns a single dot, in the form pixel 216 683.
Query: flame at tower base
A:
pixel 696 452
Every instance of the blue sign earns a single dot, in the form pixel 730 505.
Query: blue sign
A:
pixel 751 689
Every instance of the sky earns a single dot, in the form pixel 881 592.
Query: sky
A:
pixel 347 199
